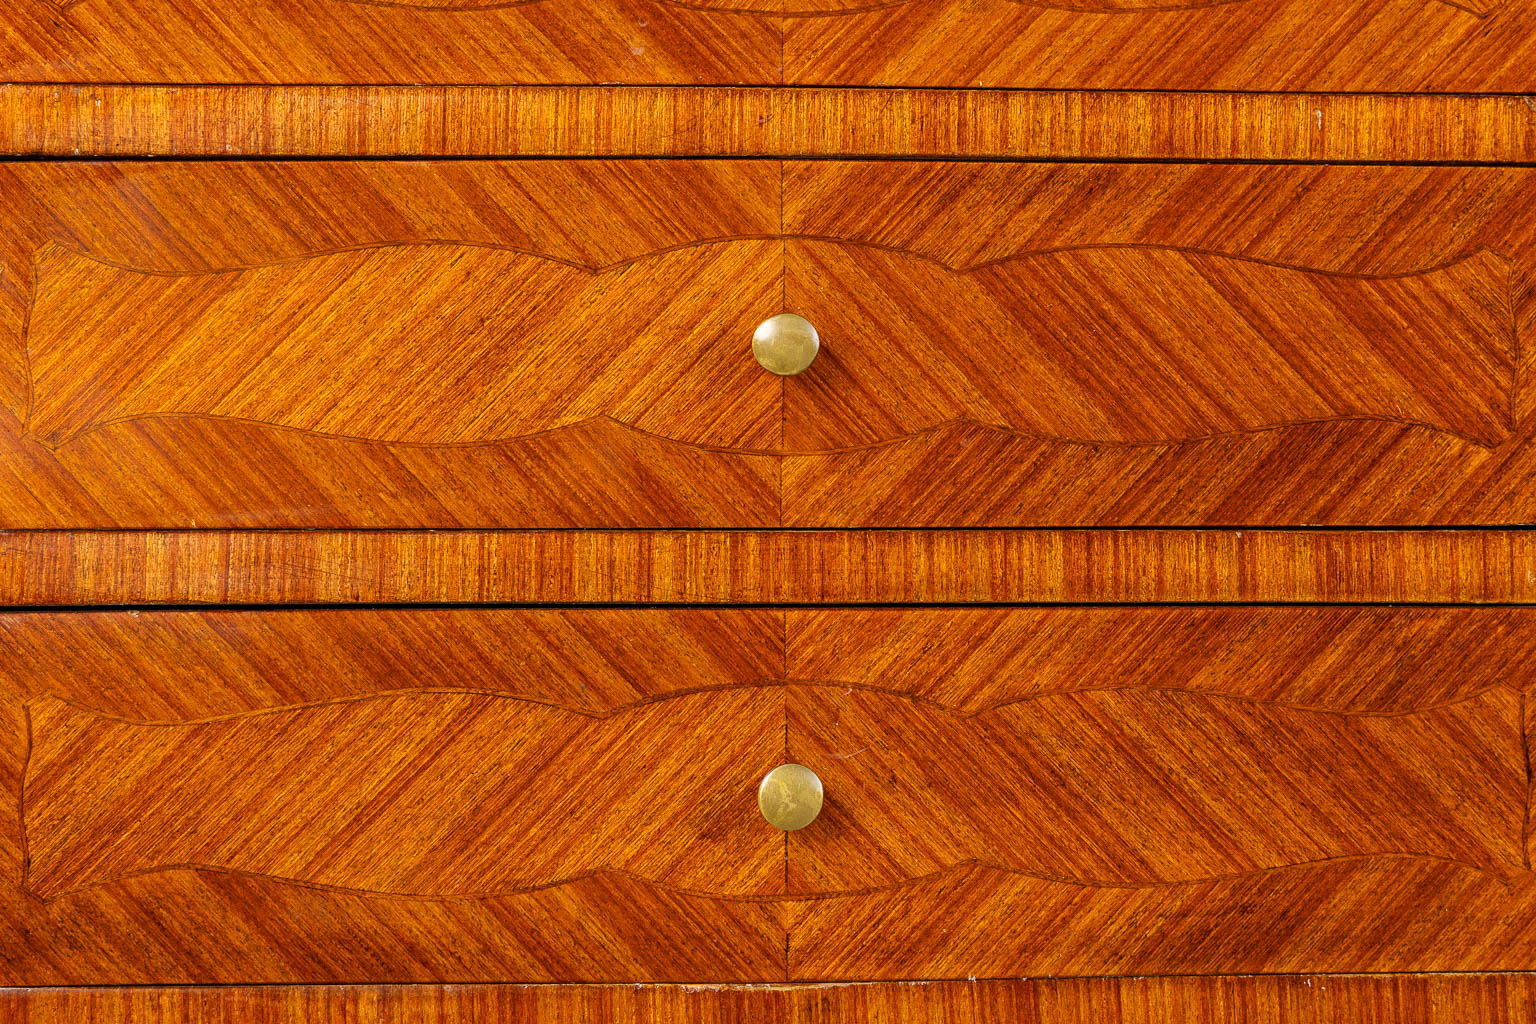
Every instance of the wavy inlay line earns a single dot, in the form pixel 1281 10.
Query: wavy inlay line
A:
pixel 475 794
pixel 941 877
pixel 937 433
pixel 838 240
pixel 778 685
pixel 523 352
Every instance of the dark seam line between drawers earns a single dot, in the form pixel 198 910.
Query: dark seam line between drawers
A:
pixel 343 157
pixel 53 609
pixel 1525 750
pixel 808 984
pixel 621 87
pixel 342 531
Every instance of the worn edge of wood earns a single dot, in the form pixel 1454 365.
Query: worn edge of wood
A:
pixel 1274 999
pixel 767 567
pixel 58 120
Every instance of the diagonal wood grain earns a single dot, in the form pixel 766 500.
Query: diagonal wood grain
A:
pixel 180 223
pixel 1370 46
pixel 1403 311
pixel 1261 45
pixel 405 41
pixel 161 929
pixel 179 666
pixel 1388 324
pixel 976 372
pixel 1366 916
pixel 1354 659
pixel 1365 220
pixel 1339 473
pixel 217 927
pixel 428 344
pixel 429 794
pixel 372 343
pixel 1146 788
pixel 208 473
pixel 185 924
pixel 1138 345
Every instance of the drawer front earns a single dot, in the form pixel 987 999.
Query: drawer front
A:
pixel 565 344
pixel 1259 45
pixel 568 795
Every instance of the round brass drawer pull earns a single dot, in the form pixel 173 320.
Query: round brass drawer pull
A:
pixel 785 344
pixel 790 797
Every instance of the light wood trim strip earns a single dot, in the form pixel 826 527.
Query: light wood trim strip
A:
pixel 1275 999
pixel 351 121
pixel 750 567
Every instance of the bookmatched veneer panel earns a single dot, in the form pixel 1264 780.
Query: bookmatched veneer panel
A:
pixel 566 345
pixel 443 797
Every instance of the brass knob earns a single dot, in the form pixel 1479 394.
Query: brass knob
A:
pixel 785 344
pixel 789 797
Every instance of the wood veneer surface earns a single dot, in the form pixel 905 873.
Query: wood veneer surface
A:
pixel 757 567
pixel 564 344
pixel 329 795
pixel 520 121
pixel 1493 999
pixel 286 796
pixel 1260 45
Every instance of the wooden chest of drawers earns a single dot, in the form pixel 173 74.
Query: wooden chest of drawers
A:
pixel 408 574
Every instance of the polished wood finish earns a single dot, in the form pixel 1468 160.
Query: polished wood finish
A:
pixel 497 42
pixel 1380 46
pixel 420 794
pixel 523 691
pixel 1128 789
pixel 463 828
pixel 763 121
pixel 1260 45
pixel 1342 916
pixel 1359 659
pixel 185 666
pixel 1201 345
pixel 1293 999
pixel 1142 568
pixel 565 344
pixel 529 345
pixel 1081 301
pixel 753 567
pixel 125 284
